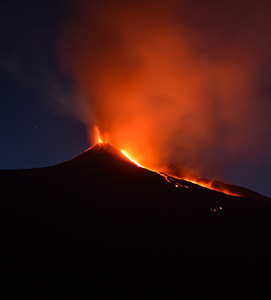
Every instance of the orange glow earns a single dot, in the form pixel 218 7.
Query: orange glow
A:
pixel 168 86
pixel 208 184
pixel 204 183
pixel 97 136
pixel 131 159
pixel 169 178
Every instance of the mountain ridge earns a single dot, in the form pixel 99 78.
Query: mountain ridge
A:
pixel 99 212
pixel 102 150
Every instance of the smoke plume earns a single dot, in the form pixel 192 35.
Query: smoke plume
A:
pixel 186 82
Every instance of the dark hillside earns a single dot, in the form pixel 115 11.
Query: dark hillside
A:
pixel 99 213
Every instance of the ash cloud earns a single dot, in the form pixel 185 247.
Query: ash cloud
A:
pixel 186 82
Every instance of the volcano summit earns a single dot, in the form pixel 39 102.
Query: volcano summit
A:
pixel 100 211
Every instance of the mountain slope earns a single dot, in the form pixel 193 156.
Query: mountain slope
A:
pixel 99 211
pixel 103 186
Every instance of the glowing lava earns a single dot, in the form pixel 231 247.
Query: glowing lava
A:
pixel 172 179
pixel 210 186
pixel 97 136
pixel 131 159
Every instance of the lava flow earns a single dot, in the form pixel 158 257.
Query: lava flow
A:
pixel 174 179
pixel 209 185
pixel 131 159
pixel 171 178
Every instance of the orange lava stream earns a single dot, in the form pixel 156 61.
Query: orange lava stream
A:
pixel 169 178
pixel 210 187
pixel 166 177
pixel 131 159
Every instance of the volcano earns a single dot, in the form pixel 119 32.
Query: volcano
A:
pixel 100 212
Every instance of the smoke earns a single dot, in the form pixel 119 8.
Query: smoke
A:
pixel 186 82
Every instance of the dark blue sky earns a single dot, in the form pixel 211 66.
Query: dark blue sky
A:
pixel 35 129
pixel 34 132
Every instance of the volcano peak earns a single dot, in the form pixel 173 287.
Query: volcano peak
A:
pixel 100 154
pixel 101 149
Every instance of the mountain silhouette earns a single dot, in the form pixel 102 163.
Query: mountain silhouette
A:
pixel 99 213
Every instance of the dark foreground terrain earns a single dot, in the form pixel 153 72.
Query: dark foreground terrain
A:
pixel 98 224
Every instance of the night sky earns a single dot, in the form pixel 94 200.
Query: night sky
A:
pixel 34 131
pixel 40 122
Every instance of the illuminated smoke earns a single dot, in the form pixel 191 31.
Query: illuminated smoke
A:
pixel 174 81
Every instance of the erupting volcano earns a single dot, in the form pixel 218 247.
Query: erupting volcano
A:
pixel 104 211
pixel 170 85
pixel 169 93
pixel 173 174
